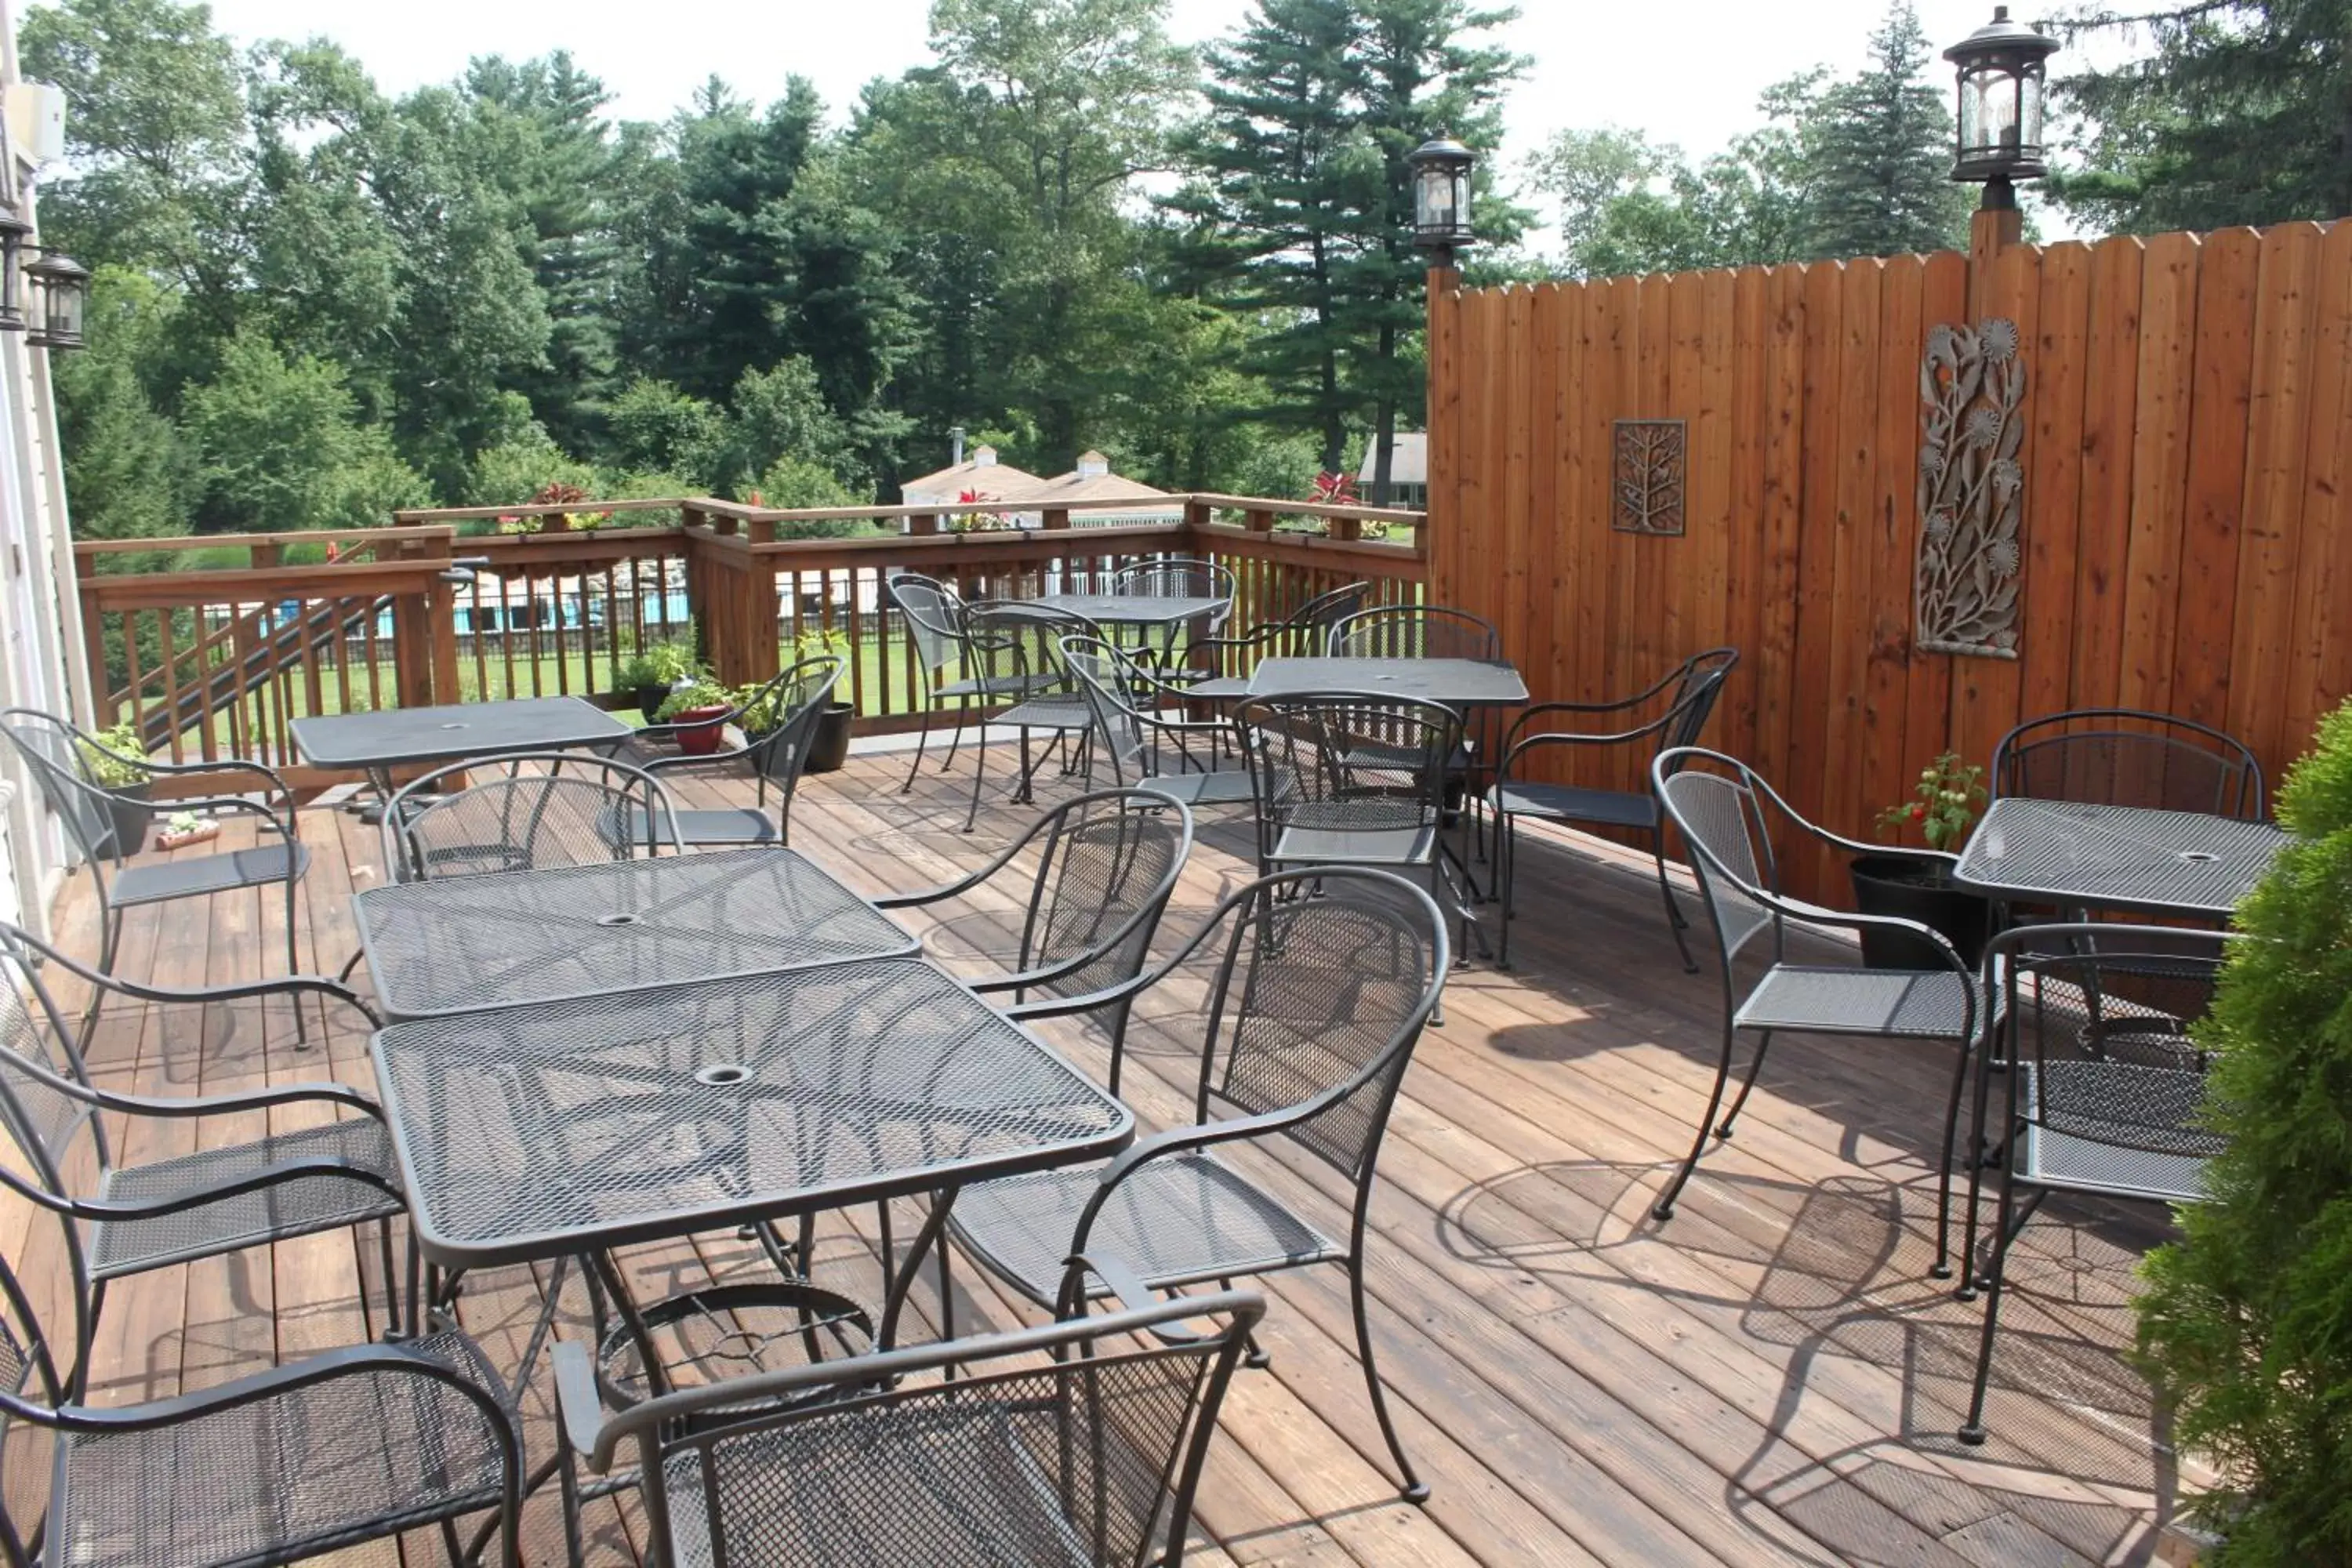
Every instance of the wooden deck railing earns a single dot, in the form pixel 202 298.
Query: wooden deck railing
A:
pixel 213 646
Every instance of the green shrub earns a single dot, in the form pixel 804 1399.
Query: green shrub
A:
pixel 2246 1326
pixel 105 759
pixel 696 693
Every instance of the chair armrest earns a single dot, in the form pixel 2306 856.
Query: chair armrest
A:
pixel 314 985
pixel 224 765
pixel 323 1093
pixel 964 883
pixel 1525 744
pixel 259 1180
pixel 351 1361
pixel 283 825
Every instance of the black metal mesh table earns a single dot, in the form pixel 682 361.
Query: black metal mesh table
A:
pixel 579 1126
pixel 2117 856
pixel 1132 609
pixel 463 943
pixel 1456 682
pixel 392 736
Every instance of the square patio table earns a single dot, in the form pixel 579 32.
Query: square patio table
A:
pixel 1456 682
pixel 2117 856
pixel 380 741
pixel 463 944
pixel 571 1128
pixel 1133 609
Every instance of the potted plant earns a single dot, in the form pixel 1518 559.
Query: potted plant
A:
pixel 2246 1328
pixel 828 749
pixel 698 706
pixel 649 675
pixel 111 767
pixel 1943 808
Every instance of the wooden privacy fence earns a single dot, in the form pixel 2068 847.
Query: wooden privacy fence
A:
pixel 2185 426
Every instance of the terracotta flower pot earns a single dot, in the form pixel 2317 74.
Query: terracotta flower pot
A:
pixel 697 738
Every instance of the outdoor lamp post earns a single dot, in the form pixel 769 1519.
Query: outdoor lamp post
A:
pixel 59 292
pixel 2001 79
pixel 14 232
pixel 1441 199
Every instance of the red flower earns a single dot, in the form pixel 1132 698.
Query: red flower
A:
pixel 1919 812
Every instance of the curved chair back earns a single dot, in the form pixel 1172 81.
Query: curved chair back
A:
pixel 1319 1003
pixel 1018 646
pixel 1318 616
pixel 1174 577
pixel 1077 1442
pixel 42 1076
pixel 1415 631
pixel 551 808
pixel 2121 756
pixel 1723 811
pixel 934 613
pixel 1697 686
pixel 791 705
pixel 50 749
pixel 1106 865
pixel 1105 675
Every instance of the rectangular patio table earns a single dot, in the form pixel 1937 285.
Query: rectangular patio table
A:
pixel 1133 609
pixel 376 743
pixel 460 944
pixel 571 1127
pixel 2117 856
pixel 1455 682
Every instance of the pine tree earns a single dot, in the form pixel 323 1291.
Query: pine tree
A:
pixel 1879 155
pixel 2242 115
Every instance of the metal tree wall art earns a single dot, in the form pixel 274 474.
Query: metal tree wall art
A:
pixel 1648 476
pixel 1971 490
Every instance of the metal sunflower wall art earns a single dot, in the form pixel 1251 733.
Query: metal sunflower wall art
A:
pixel 1971 490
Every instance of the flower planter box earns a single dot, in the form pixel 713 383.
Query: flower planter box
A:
pixel 133 815
pixel 169 839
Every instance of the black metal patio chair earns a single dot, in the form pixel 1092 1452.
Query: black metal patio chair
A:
pixel 786 711
pixel 546 809
pixel 2121 756
pixel 1106 865
pixel 1349 779
pixel 56 762
pixel 935 616
pixel 1727 814
pixel 349 1446
pixel 1074 1445
pixel 1303 634
pixel 188 1206
pixel 1690 690
pixel 1175 758
pixel 1017 648
pixel 2104 1087
pixel 1310 1024
pixel 1414 631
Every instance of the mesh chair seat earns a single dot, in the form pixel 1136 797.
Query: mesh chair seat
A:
pixel 1177 1220
pixel 2102 1133
pixel 292 1209
pixel 1906 1004
pixel 1215 688
pixel 961 1486
pixel 1566 803
pixel 1231 788
pixel 161 880
pixel 702 826
pixel 991 686
pixel 1055 712
pixel 1307 845
pixel 291 1473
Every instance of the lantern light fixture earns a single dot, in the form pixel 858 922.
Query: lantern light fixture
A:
pixel 57 295
pixel 1440 198
pixel 2000 72
pixel 15 234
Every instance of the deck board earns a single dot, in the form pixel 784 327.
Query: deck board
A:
pixel 1771 1378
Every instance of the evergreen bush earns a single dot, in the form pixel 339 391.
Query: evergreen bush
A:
pixel 2246 1326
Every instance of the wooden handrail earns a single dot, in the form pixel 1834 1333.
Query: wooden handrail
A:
pixel 419 516
pixel 183 541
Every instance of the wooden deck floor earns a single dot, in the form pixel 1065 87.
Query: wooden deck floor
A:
pixel 1771 1378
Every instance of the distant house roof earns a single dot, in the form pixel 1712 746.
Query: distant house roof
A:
pixel 1408 461
pixel 981 472
pixel 1092 480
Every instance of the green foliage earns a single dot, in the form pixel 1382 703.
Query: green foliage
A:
pixel 1880 150
pixel 1944 803
pixel 652 426
pixel 281 447
pixel 131 473
pixel 109 760
pixel 513 471
pixel 2236 116
pixel 658 664
pixel 699 692
pixel 2246 1325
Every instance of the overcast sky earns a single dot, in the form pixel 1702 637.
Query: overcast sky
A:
pixel 1687 71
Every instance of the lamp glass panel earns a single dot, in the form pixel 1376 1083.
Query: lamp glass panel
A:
pixel 1435 210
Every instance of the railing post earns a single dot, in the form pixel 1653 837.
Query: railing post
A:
pixel 923 523
pixel 1057 517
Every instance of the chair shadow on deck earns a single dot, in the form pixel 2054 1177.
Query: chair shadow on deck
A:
pixel 1842 1307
